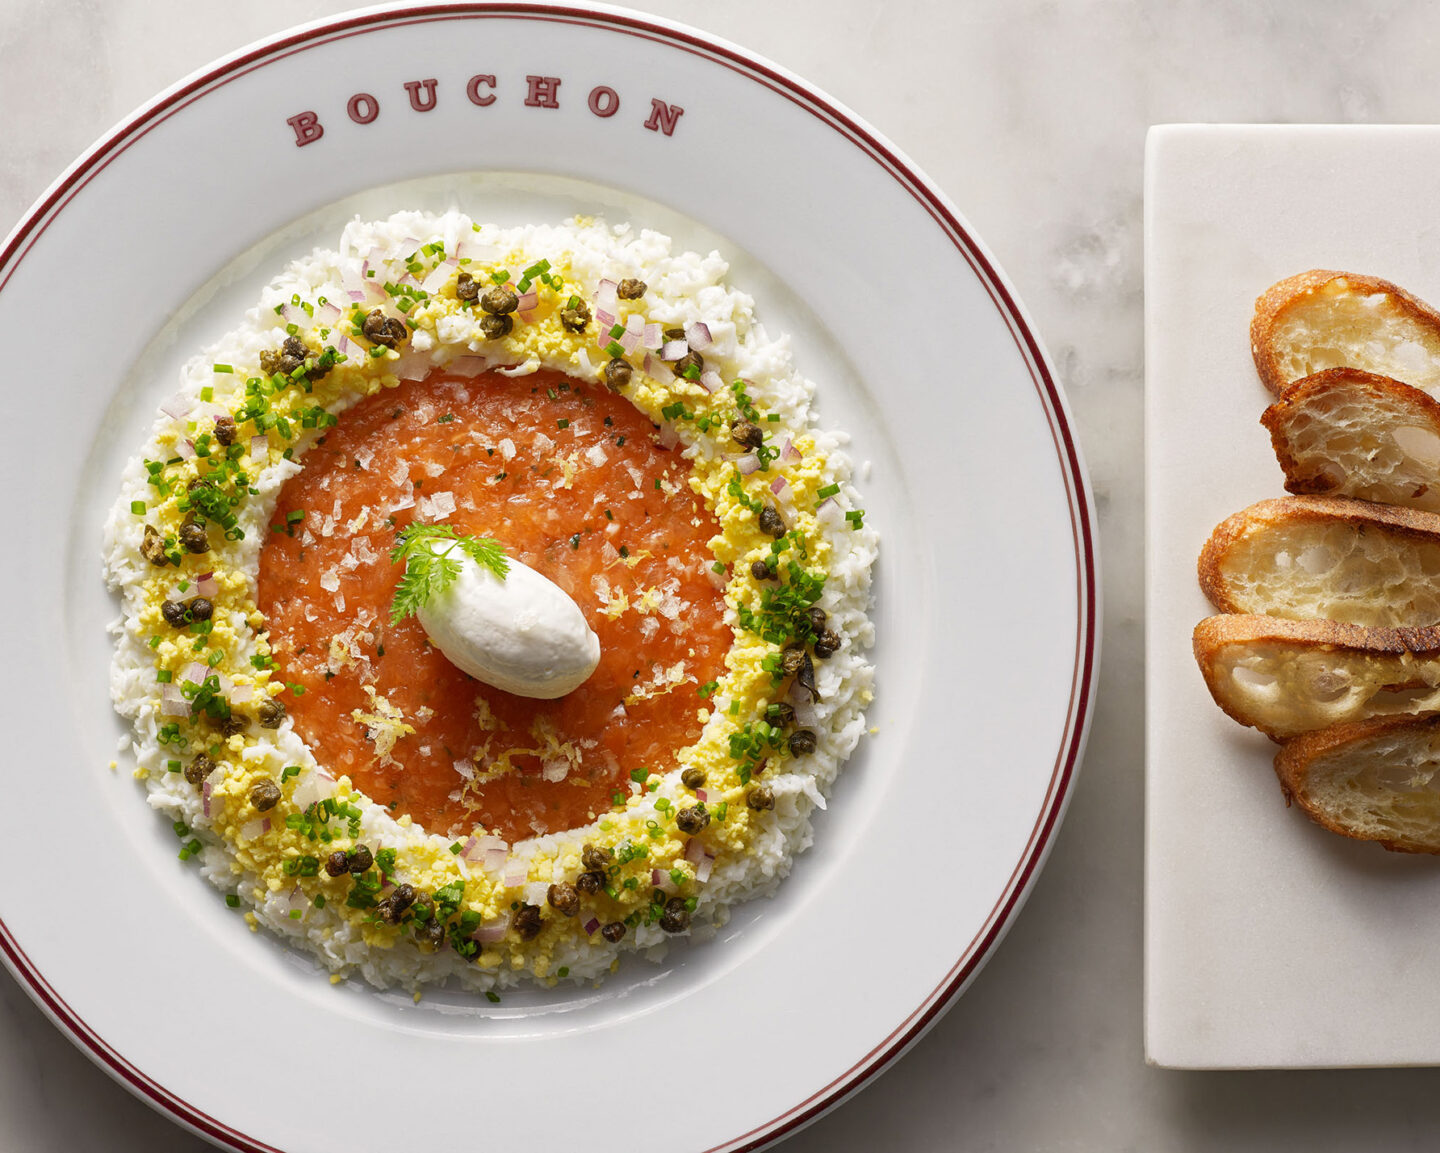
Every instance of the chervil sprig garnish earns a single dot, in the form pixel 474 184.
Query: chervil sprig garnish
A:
pixel 429 571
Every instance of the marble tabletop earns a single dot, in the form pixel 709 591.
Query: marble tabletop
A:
pixel 1031 116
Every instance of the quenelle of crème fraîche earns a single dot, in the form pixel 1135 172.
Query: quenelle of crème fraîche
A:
pixel 519 633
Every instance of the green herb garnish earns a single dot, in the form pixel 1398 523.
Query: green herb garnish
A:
pixel 430 571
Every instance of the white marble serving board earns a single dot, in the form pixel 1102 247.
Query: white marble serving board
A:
pixel 1268 942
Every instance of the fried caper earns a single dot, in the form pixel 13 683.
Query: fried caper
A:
pixel 817 618
pixel 746 434
pixel 264 795
pixel 384 330
pixel 618 373
pixel 792 657
pixel 494 327
pixel 827 644
pixel 761 571
pixel 431 933
pixel 676 917
pixel 590 883
pixel 630 289
pixel 614 932
pixel 359 859
pixel 760 798
pixel 200 608
pixel 564 898
pixel 690 366
pixel 337 864
pixel 771 521
pixel 152 547
pixel 526 921
pixel 802 742
pixel 780 714
pixel 693 778
pixel 193 536
pixel 594 857
pixel 575 318
pixel 691 820
pixel 225 430
pixel 235 724
pixel 198 769
pixel 392 908
pixel 499 301
pixel 272 712
pixel 175 613
pixel 467 287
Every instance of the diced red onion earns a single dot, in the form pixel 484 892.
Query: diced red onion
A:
pixel 409 245
pixel 207 585
pixel 604 319
pixel 653 337
pixel 648 365
pixel 602 338
pixel 748 463
pixel 606 296
pixel 259 447
pixel 491 933
pixel 178 406
pixel 205 791
pixel 242 694
pixel 697 335
pixel 711 381
pixel 253 830
pixel 265 825
pixel 412 366
pixel 468 249
pixel 790 452
pixel 673 350
pixel 703 868
pixel 327 313
pixel 777 486
pixel 186 448
pixel 635 323
pixel 528 301
pixel 829 513
pixel 439 275
pixel 294 313
pixel 173 702
pixel 409 281
pixel 495 858
pixel 356 294
pixel 468 365
pixel 196 672
pixel 668 437
pixel 629 340
pixel 591 925
pixel 660 879
pixel 516 873
pixel 702 795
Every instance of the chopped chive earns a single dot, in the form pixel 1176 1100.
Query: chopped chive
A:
pixel 718 566
pixel 137 507
pixel 828 491
pixel 164 676
pixel 232 900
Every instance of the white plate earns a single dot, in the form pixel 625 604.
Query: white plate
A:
pixel 151 244
pixel 1268 941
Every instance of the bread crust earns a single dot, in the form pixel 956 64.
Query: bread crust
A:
pixel 1397 649
pixel 1276 299
pixel 1412 524
pixel 1298 756
pixel 1354 384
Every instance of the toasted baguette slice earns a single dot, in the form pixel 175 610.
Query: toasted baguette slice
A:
pixel 1350 433
pixel 1376 780
pixel 1321 319
pixel 1290 677
pixel 1308 557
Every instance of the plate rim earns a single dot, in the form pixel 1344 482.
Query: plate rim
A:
pixel 837 117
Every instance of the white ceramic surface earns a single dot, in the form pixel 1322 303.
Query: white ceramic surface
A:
pixel 1269 942
pixel 226 176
